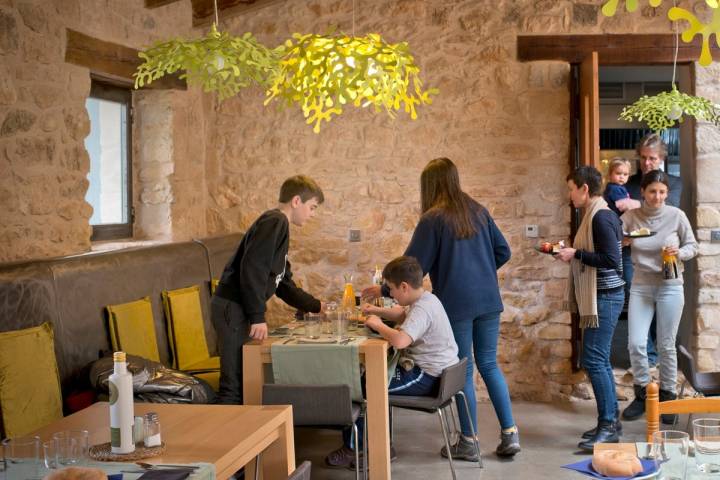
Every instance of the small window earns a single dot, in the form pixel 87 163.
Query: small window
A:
pixel 109 147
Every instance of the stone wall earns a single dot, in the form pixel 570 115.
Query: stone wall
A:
pixel 43 121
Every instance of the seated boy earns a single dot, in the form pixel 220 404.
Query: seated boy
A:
pixel 423 332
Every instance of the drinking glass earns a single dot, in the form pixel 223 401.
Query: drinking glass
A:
pixel 706 433
pixel 330 310
pixel 22 458
pixel 50 455
pixel 670 450
pixel 312 325
pixel 71 447
pixel 340 324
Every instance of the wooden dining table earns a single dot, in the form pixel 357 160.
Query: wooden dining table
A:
pixel 373 353
pixel 228 436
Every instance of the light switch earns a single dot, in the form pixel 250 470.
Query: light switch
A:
pixel 532 231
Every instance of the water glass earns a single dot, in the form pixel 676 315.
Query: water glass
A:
pixel 326 322
pixel 706 433
pixel 670 450
pixel 50 455
pixel 71 447
pixel 340 325
pixel 312 325
pixel 22 458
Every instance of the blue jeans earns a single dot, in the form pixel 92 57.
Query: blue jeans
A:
pixel 480 335
pixel 596 352
pixel 413 382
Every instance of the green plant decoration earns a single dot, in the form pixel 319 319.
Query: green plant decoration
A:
pixel 218 62
pixel 662 110
pixel 323 73
pixel 610 7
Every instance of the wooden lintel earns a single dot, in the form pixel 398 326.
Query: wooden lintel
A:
pixel 157 3
pixel 620 49
pixel 204 12
pixel 111 59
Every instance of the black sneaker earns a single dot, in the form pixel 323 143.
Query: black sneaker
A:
pixel 393 457
pixel 509 444
pixel 462 450
pixel 343 457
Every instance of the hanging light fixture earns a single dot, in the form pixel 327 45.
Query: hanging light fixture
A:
pixel 218 62
pixel 324 73
pixel 661 111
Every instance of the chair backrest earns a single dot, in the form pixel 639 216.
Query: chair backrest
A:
pixel 186 330
pixel 687 366
pixel 313 405
pixel 302 472
pixel 452 380
pixel 132 329
pixel 653 408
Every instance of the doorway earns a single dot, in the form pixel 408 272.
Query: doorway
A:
pixel 620 86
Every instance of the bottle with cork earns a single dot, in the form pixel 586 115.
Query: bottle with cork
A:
pixel 378 280
pixel 122 419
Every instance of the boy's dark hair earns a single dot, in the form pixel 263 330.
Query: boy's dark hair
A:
pixel 587 175
pixel 404 269
pixel 655 176
pixel 303 186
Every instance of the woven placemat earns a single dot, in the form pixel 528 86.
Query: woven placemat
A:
pixel 103 453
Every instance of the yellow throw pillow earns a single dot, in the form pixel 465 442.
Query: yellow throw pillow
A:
pixel 29 382
pixel 132 329
pixel 186 329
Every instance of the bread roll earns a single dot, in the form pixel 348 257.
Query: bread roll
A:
pixel 616 463
pixel 77 473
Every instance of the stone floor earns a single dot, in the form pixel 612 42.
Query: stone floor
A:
pixel 548 432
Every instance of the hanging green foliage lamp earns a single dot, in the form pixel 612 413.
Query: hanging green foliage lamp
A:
pixel 219 62
pixel 661 111
pixel 324 73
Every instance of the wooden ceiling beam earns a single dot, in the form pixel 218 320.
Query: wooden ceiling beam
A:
pixel 112 60
pixel 158 3
pixel 204 12
pixel 620 49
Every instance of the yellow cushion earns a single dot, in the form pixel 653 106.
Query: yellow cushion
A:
pixel 212 378
pixel 209 364
pixel 186 329
pixel 132 329
pixel 29 382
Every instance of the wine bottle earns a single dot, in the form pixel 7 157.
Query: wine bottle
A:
pixel 122 418
pixel 378 280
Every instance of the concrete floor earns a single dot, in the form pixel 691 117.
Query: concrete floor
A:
pixel 549 434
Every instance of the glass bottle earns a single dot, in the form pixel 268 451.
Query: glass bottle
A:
pixel 122 419
pixel 669 265
pixel 348 298
pixel 378 280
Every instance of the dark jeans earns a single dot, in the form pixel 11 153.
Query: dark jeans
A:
pixel 479 335
pixel 413 382
pixel 596 352
pixel 232 333
pixel 628 271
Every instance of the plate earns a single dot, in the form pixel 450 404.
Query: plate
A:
pixel 639 236
pixel 316 340
pixel 537 249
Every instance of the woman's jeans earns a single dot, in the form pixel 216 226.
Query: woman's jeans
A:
pixel 596 352
pixel 666 303
pixel 480 335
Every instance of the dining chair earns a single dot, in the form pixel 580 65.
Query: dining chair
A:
pixel 452 381
pixel 654 408
pixel 706 384
pixel 322 406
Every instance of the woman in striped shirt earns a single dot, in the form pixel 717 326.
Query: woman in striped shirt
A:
pixel 595 292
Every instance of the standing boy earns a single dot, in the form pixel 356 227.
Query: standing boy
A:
pixel 259 269
pixel 423 332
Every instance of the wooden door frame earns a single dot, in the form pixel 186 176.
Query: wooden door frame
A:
pixel 612 50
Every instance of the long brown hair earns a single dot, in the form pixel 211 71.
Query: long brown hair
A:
pixel 440 194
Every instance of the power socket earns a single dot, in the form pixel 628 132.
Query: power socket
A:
pixel 354 235
pixel 532 231
pixel 714 236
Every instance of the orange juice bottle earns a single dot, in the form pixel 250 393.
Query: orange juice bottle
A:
pixel 348 299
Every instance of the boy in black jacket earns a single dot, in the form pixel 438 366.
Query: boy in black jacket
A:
pixel 259 269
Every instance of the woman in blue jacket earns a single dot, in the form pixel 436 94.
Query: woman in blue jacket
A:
pixel 460 247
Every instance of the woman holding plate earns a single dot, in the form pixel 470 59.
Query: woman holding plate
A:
pixel 654 291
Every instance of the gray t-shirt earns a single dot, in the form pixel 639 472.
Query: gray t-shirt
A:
pixel 433 347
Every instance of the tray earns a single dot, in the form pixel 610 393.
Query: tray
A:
pixel 102 453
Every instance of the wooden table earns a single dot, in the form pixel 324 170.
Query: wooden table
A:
pixel 228 436
pixel 373 353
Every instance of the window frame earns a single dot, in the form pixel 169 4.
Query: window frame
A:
pixel 104 89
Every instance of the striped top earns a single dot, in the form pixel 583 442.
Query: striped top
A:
pixel 607 257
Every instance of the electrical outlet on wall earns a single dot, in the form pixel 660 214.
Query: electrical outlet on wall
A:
pixel 714 236
pixel 354 235
pixel 532 231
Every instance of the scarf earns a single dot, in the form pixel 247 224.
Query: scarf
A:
pixel 582 280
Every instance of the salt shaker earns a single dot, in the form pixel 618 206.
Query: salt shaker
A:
pixel 152 430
